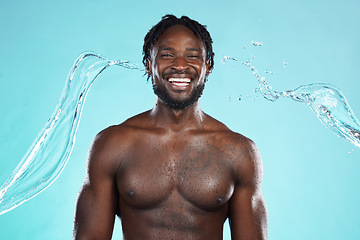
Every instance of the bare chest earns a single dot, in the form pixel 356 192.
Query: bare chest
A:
pixel 156 175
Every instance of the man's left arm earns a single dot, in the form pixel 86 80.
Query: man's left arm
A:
pixel 247 210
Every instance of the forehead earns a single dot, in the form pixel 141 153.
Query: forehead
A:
pixel 178 36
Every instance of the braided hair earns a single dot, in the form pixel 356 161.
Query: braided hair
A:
pixel 168 21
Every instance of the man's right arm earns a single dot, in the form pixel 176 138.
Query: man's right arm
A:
pixel 97 201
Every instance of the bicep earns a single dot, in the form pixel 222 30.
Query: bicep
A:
pixel 248 215
pixel 97 200
pixel 95 214
pixel 247 209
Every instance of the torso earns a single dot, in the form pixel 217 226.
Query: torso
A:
pixel 176 183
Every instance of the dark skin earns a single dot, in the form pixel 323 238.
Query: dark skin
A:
pixel 173 173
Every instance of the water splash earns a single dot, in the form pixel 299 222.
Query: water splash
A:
pixel 326 101
pixel 51 149
pixel 49 153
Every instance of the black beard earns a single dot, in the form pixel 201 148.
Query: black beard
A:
pixel 178 105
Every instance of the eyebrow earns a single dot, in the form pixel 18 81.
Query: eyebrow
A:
pixel 194 49
pixel 166 48
pixel 188 49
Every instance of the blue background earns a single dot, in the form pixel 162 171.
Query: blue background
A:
pixel 310 175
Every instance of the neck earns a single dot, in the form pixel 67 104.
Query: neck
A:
pixel 177 119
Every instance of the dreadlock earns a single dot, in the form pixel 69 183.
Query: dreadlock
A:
pixel 168 21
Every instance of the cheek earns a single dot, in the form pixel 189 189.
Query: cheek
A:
pixel 157 72
pixel 202 70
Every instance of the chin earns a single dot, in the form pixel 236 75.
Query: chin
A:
pixel 164 95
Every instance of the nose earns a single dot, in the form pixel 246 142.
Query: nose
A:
pixel 180 63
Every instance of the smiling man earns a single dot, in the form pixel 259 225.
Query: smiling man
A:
pixel 173 172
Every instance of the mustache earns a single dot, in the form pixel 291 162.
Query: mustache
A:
pixel 175 71
pixel 185 71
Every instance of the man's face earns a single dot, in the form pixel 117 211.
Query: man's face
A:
pixel 178 66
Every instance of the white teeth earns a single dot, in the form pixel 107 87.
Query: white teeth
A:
pixel 181 84
pixel 182 81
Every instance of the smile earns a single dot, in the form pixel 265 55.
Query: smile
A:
pixel 179 81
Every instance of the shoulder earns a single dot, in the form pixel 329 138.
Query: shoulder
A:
pixel 241 152
pixel 111 145
pixel 229 140
pixel 246 159
pixel 120 136
pixel 238 147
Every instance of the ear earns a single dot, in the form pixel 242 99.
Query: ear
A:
pixel 148 67
pixel 207 64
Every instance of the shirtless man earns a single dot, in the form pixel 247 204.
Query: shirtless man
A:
pixel 173 172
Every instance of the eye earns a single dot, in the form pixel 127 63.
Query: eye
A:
pixel 193 56
pixel 166 55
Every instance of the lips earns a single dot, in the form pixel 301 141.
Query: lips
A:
pixel 181 82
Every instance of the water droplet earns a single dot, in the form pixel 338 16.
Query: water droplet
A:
pixel 226 58
pixel 256 43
